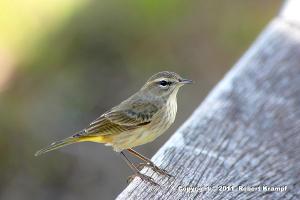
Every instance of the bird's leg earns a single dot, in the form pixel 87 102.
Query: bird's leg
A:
pixel 148 163
pixel 136 171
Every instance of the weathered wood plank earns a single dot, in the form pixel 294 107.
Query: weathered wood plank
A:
pixel 247 131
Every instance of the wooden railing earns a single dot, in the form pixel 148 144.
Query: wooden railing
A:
pixel 246 132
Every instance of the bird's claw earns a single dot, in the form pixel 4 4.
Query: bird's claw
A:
pixel 154 168
pixel 143 177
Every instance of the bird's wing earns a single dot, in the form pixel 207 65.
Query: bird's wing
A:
pixel 123 118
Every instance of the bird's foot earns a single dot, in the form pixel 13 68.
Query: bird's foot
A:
pixel 143 177
pixel 154 168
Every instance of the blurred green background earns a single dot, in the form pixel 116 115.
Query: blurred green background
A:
pixel 63 63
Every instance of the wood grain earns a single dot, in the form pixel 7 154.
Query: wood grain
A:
pixel 246 132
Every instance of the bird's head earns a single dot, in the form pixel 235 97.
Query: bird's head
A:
pixel 164 84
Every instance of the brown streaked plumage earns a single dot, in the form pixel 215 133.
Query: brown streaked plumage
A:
pixel 138 120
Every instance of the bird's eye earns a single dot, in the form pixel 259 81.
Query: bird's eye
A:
pixel 163 83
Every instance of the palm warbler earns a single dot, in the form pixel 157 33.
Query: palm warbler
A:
pixel 138 120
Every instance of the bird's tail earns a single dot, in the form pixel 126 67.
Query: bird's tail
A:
pixel 57 145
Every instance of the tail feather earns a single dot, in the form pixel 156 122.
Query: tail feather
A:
pixel 57 145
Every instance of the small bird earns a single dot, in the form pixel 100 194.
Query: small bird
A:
pixel 138 120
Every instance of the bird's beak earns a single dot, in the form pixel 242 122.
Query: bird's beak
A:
pixel 186 81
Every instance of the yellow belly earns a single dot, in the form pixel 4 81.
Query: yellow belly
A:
pixel 160 123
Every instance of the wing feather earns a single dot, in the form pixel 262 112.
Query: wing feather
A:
pixel 122 118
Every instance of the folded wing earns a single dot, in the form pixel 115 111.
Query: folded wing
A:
pixel 122 118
